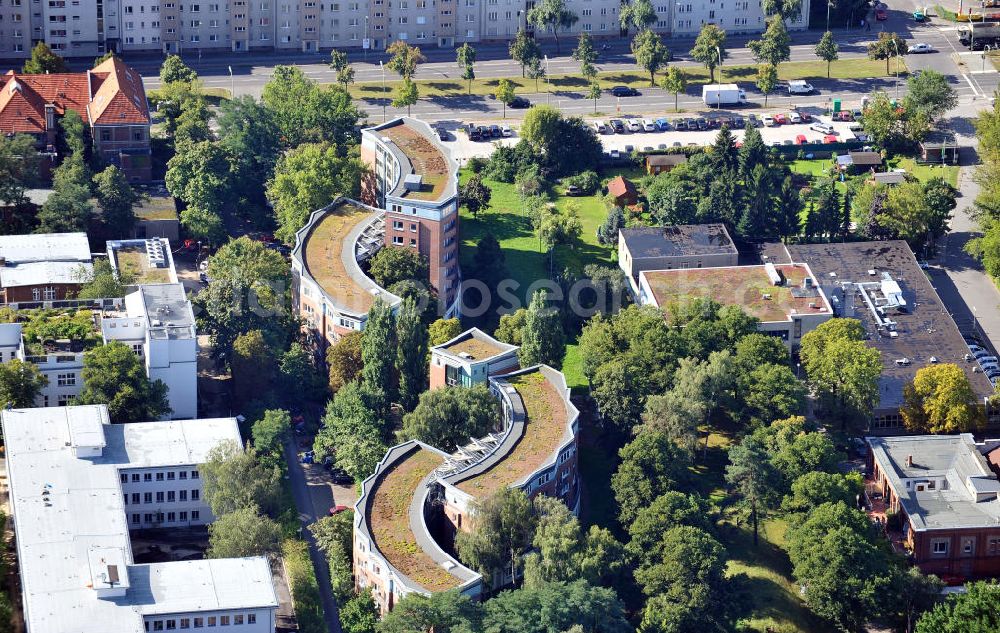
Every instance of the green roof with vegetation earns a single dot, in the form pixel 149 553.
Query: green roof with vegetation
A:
pixel 323 258
pixel 134 266
pixel 427 159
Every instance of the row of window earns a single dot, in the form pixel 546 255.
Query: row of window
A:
pixel 167 496
pixel 941 547
pixel 171 624
pixel 169 517
pixel 163 475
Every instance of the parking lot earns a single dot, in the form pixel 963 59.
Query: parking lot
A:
pixel 787 134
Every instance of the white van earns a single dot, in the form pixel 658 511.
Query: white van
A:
pixel 799 87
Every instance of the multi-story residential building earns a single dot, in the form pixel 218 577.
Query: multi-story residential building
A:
pixel 110 99
pixel 416 182
pixel 470 359
pixel 944 494
pixel 784 297
pixel 79 484
pixel 419 497
pixel 43 266
pixel 156 321
pixel 330 291
pixel 92 27
pixel 679 246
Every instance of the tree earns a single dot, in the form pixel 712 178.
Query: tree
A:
pixel 406 95
pixel 404 59
pixel 556 227
pixel 270 432
pixel 103 58
pixel 235 479
pixel 340 63
pixel 344 360
pixel 536 70
pixel 930 93
pixel 443 330
pixel 250 134
pixel 975 611
pixel 784 9
pixel 308 113
pixel 756 482
pixel 359 614
pixel 710 48
pixel 441 612
pixel 488 262
pixel 941 400
pixel 842 368
pixel 788 209
pixel 594 92
pixel 669 510
pixel 115 376
pixel 650 53
pixel 352 433
pixel 639 14
pixel 556 606
pixel 607 233
pixel 504 94
pixel 73 135
pixel 449 417
pixel 586 55
pixel 674 81
pixel 553 15
pixel 523 49
pixel 200 176
pixel 767 79
pixel 651 465
pixel 887 46
pixel 19 162
pixel 174 69
pixel 466 57
pixel 20 384
pixel 241 533
pixel 298 380
pixel 43 61
pixel 774 46
pixel 252 366
pixel 827 50
pixel 773 392
pixel 391 266
pixel 102 282
pixel 503 528
pixel 203 224
pixel 475 194
pixel 411 354
pixel 377 356
pixel 308 178
pixel 795 448
pixel 334 537
pixel 116 198
pixel 511 328
pixel 815 488
pixel 618 393
pixel 542 339
pixel 67 210
pixel 564 552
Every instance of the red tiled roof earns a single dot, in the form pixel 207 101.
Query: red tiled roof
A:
pixel 111 94
pixel 619 187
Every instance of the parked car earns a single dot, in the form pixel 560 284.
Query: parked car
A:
pixel 805 116
pixel 519 103
pixel 506 131
pixel 824 128
pixel 624 91
pixel 473 132
pixel 800 139
pixel 739 123
pixel 615 154
pixel 829 138
pixel 881 15
pixel 661 146
pixel 599 127
pixel 768 120
pixel 648 125
pixel 663 124
pixel 753 120
pixel 618 126
pixel 484 133
pixel 921 47
pixel 843 115
pixel 442 133
pixel 495 131
pixel 681 125
pixel 340 477
pixel 793 117
pixel 919 16
pixel 572 190
pixel 702 123
pixel 634 125
pixel 337 509
pixel 780 119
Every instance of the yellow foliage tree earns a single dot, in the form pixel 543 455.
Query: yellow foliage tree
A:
pixel 941 400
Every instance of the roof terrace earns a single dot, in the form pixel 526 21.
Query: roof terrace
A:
pixel 390 517
pixel 329 247
pixel 475 345
pixel 751 287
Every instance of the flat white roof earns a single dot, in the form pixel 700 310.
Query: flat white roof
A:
pixel 68 512
pixel 45 247
pixel 37 273
pixel 202 585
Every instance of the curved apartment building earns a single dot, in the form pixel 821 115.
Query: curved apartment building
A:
pixel 419 497
pixel 329 290
pixel 416 182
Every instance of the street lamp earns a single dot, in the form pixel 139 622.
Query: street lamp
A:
pixel 232 84
pixel 718 103
pixel 895 45
pixel 367 43
pixel 548 79
pixel 382 66
pixel 986 50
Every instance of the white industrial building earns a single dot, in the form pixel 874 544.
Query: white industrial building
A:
pixel 71 477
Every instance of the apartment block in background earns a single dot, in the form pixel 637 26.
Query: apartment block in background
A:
pixel 416 182
pixel 79 484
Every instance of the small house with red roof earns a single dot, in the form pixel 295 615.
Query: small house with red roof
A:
pixel 109 98
pixel 623 191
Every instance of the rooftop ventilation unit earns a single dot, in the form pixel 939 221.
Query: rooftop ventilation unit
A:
pixel 413 182
pixel 772 274
pixel 155 255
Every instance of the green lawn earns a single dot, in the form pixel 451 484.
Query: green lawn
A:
pixel 840 69
pixel 926 172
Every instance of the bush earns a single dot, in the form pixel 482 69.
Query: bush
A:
pixel 588 182
pixel 477 164
pixel 303 585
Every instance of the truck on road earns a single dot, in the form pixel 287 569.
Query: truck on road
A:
pixel 723 95
pixel 979 35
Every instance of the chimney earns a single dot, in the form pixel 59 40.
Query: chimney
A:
pixel 50 116
pixel 909 461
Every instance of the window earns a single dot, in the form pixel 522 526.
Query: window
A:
pixel 170 496
pixel 238 620
pixel 147 497
pixel 135 518
pixel 184 516
pixel 195 495
pixel 147 476
pixel 194 474
pixel 148 517
pixel 124 478
pixel 170 475
pixel 224 620
pixel 211 620
pixel 397 240
pixel 939 546
pixel 199 622
pixel 159 476
pixel 195 515
pixel 157 625
pixel 184 495
pixel 171 517
pixel 171 625
pixel 251 618
pixel 993 545
pixel 185 623
pixel 182 475
pixel 135 498
pixel 397 225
